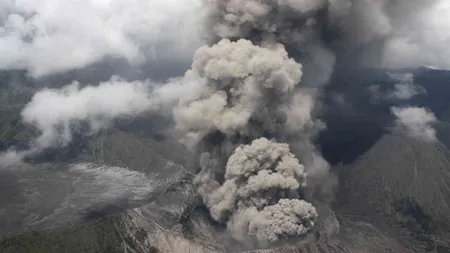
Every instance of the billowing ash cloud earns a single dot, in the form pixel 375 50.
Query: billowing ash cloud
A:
pixel 51 36
pixel 237 19
pixel 258 78
pixel 292 23
pixel 247 90
pixel 417 121
pixel 253 89
pixel 259 194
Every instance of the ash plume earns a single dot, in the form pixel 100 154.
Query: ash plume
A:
pixel 260 193
pixel 262 76
pixel 258 79
pixel 253 89
pixel 246 89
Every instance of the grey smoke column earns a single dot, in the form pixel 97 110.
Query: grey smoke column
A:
pixel 245 85
pixel 251 89
pixel 238 19
pixel 243 82
pixel 260 193
pixel 247 92
pixel 297 24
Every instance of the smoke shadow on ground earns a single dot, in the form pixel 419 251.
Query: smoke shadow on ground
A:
pixel 354 123
pixel 69 153
pixel 356 119
pixel 152 126
pixel 157 70
pixel 98 212
pixel 351 140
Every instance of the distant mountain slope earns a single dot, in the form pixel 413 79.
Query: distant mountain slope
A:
pixel 400 184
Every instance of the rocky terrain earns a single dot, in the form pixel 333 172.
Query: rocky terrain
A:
pixel 128 188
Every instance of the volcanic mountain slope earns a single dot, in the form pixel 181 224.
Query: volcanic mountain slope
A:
pixel 392 197
pixel 388 179
pixel 399 186
pixel 113 165
pixel 125 190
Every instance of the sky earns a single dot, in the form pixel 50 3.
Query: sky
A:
pixel 51 36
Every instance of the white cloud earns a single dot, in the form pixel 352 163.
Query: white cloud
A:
pixel 404 88
pixel 417 121
pixel 56 111
pixel 405 91
pixel 50 36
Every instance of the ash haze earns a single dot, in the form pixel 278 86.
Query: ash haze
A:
pixel 257 76
pixel 404 88
pixel 38 35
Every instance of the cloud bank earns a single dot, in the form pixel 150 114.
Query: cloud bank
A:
pixel 56 112
pixel 51 36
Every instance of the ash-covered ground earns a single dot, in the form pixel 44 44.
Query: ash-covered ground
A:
pixel 130 188
pixel 238 126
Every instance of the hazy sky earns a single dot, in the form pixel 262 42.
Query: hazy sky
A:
pixel 50 36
